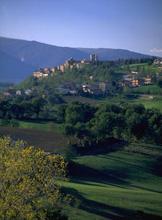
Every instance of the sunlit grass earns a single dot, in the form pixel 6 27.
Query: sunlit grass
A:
pixel 117 184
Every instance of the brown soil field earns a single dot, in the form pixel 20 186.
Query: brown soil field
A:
pixel 49 141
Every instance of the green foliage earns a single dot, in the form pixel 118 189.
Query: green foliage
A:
pixel 51 126
pixel 25 109
pixel 29 187
pixel 5 122
pixel 68 152
pixel 130 122
pixel 14 123
pixel 30 82
pixel 159 83
pixel 54 99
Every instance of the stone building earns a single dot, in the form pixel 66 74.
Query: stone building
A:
pixel 107 86
pixel 93 57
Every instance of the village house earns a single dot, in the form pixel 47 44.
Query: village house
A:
pixel 73 92
pixel 6 94
pixel 95 91
pixel 137 82
pixel 69 87
pixel 9 93
pixel 107 86
pixel 42 72
pixel 150 80
pixel 158 61
pixel 92 89
pixel 134 72
pixel 53 69
pixel 72 86
pixel 85 61
pixel 62 88
pixel 78 86
pixel 124 83
pixel 28 91
pixel 19 92
pixel 85 87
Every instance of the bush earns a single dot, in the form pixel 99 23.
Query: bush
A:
pixel 29 187
pixel 14 123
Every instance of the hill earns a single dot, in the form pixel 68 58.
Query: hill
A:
pixel 11 67
pixel 37 55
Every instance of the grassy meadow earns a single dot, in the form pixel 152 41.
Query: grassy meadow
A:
pixel 148 68
pixel 147 89
pixel 125 184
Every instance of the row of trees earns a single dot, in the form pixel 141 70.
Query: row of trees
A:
pixel 94 124
pixel 130 121
pixel 26 109
pixel 29 107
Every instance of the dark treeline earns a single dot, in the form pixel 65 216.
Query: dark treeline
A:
pixel 91 124
pixel 23 110
pixel 29 107
pixel 148 60
pixel 97 124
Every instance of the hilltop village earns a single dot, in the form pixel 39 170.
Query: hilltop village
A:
pixel 99 88
pixel 69 64
pixel 129 78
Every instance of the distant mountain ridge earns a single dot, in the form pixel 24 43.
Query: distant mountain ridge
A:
pixel 24 56
pixel 12 69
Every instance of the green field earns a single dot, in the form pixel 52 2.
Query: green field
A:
pixel 34 125
pixel 152 69
pixel 119 185
pixel 38 125
pixel 147 89
pixel 150 103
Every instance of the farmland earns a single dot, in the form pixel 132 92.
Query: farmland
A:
pixel 47 140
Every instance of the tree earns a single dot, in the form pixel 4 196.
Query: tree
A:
pixel 37 104
pixel 61 112
pixel 16 111
pixel 81 132
pixel 74 113
pixel 28 109
pixel 68 130
pixel 29 186
pixel 159 83
pixel 103 126
pixel 4 107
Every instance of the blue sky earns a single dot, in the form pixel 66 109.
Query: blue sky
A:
pixel 135 25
